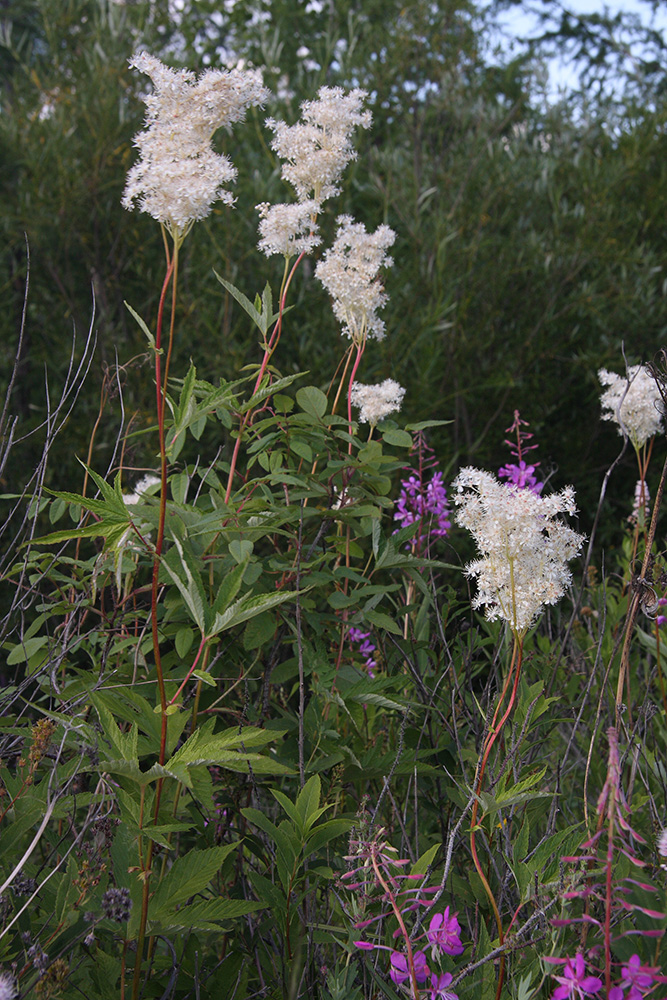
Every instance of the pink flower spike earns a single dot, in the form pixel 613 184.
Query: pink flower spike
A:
pixel 574 981
pixel 364 945
pixel 444 933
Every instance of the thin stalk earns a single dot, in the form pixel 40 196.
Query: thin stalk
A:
pixel 269 349
pixel 634 603
pixel 171 276
pixel 401 924
pixel 494 732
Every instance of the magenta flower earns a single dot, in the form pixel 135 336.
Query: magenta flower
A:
pixel 366 648
pixel 426 503
pixel 444 933
pixel 638 977
pixel 439 986
pixel 399 971
pixel 521 475
pixel 574 981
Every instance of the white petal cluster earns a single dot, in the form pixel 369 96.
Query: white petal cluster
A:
pixel 317 149
pixel 376 402
pixel 633 402
pixel 288 229
pixel 524 546
pixel 179 176
pixel 8 987
pixel 146 483
pixel 349 272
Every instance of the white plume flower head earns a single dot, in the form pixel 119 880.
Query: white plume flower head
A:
pixel 288 229
pixel 349 272
pixel 376 402
pixel 524 546
pixel 8 987
pixel 178 176
pixel 662 843
pixel 318 148
pixel 633 402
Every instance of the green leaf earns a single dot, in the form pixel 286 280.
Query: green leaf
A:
pixel 149 336
pixel 182 568
pixel 308 799
pixel 400 439
pixel 243 301
pixel 240 549
pixel 247 607
pixel 421 865
pixel 25 650
pixel 325 832
pixel 312 401
pixel 229 588
pixel 204 677
pixel 189 875
pixel 380 620
pixel 183 640
pixel 206 915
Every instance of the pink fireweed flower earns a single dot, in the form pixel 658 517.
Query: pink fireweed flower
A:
pixel 366 649
pixel 638 977
pixel 400 973
pixel 521 475
pixel 439 990
pixel 574 981
pixel 425 502
pixel 444 933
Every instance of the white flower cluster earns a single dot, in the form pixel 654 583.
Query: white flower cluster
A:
pixel 524 546
pixel 349 272
pixel 634 403
pixel 316 151
pixel 376 402
pixel 179 176
pixel 8 987
pixel 288 229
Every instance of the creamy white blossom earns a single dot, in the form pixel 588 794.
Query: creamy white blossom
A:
pixel 8 987
pixel 524 546
pixel 349 272
pixel 376 402
pixel 633 402
pixel 146 483
pixel 178 176
pixel 662 843
pixel 288 229
pixel 318 148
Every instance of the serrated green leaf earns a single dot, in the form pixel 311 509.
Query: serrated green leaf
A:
pixel 206 915
pixel 190 874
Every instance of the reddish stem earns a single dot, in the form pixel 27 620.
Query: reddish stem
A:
pixel 192 668
pixel 268 352
pixel 494 733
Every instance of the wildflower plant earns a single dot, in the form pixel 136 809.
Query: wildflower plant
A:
pixel 203 676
